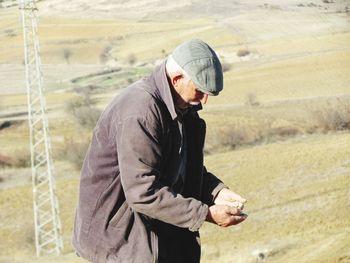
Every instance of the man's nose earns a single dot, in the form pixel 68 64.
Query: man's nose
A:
pixel 204 99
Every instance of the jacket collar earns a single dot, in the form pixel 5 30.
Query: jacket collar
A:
pixel 161 81
pixel 162 85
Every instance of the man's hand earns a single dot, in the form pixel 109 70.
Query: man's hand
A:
pixel 225 216
pixel 229 198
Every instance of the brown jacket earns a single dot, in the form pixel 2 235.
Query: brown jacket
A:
pixel 126 207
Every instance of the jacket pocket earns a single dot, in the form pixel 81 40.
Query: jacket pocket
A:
pixel 118 215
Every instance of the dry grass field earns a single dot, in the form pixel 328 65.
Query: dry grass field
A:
pixel 298 192
pixel 278 134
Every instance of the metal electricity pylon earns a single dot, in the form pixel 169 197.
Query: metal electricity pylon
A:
pixel 47 224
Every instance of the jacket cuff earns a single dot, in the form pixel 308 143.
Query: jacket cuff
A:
pixel 217 189
pixel 201 218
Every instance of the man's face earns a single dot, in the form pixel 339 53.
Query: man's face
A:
pixel 189 94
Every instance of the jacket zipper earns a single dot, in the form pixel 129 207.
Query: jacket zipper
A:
pixel 154 241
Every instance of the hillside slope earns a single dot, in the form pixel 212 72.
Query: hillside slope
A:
pixel 298 195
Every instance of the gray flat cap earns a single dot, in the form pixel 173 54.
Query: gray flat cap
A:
pixel 201 63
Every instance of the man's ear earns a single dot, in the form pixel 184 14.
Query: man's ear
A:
pixel 175 78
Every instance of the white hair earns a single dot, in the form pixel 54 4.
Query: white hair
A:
pixel 172 68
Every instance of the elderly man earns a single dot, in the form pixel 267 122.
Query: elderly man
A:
pixel 144 192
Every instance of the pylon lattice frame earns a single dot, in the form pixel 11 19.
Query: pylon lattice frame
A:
pixel 46 219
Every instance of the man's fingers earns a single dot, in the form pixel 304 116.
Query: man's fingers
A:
pixel 236 204
pixel 225 216
pixel 239 218
pixel 237 198
pixel 234 220
pixel 233 210
pixel 236 215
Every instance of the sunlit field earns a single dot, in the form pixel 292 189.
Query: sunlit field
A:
pixel 278 134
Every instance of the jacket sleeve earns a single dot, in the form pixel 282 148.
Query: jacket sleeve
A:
pixel 211 187
pixel 139 147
